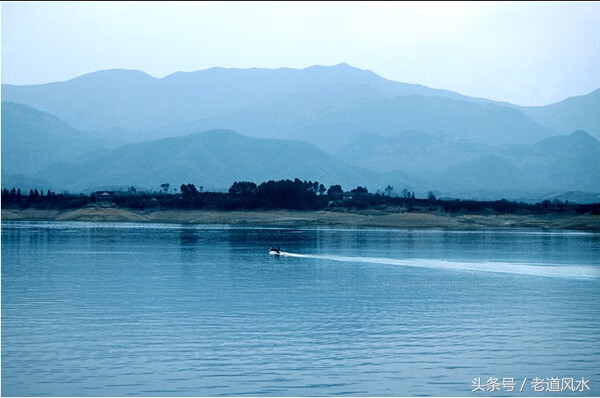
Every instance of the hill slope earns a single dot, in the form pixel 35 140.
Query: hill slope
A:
pixel 574 113
pixel 553 165
pixel 33 140
pixel 212 159
pixel 465 121
pixel 316 117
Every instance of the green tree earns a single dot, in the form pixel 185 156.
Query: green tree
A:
pixel 431 197
pixel 315 186
pixel 242 189
pixel 335 192
pixel 359 189
pixel 388 190
pixel 322 189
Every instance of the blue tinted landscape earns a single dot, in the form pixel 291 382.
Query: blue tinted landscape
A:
pixel 300 199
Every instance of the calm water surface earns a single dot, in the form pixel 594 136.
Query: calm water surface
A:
pixel 156 309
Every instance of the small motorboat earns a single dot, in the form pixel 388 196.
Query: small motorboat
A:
pixel 275 251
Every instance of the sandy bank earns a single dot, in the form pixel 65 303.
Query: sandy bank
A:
pixel 366 218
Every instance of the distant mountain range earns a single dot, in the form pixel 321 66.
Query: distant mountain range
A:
pixel 556 164
pixel 136 101
pixel 309 117
pixel 332 124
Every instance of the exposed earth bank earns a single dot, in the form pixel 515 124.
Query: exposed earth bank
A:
pixel 389 218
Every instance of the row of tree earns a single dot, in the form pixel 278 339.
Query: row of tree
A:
pixel 37 199
pixel 282 194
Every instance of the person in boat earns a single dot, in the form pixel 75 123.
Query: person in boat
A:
pixel 274 249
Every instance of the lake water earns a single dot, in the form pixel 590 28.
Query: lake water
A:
pixel 94 309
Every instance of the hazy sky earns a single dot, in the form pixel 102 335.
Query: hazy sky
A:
pixel 527 53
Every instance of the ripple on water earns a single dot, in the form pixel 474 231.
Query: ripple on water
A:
pixel 128 309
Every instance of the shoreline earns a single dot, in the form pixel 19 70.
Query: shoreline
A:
pixel 348 218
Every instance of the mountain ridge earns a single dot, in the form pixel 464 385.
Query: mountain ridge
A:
pixel 573 113
pixel 96 101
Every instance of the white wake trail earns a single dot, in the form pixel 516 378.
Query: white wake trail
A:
pixel 555 271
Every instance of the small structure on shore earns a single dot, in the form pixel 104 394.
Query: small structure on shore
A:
pixel 105 196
